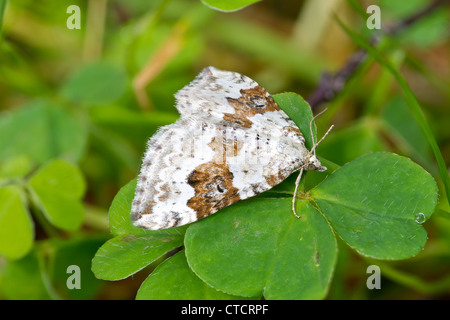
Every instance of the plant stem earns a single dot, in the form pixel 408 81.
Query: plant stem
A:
pixel 95 28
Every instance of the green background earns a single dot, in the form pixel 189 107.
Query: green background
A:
pixel 77 107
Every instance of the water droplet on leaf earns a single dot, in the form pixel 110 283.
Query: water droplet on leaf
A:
pixel 420 218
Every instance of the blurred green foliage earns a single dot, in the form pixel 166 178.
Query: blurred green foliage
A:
pixel 77 106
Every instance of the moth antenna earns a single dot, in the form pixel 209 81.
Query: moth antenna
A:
pixel 310 129
pixel 297 182
pixel 313 150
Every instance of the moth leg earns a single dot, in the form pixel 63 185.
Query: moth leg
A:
pixel 297 182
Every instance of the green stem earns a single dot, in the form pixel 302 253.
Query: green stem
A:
pixel 96 219
pixel 383 85
pixel 95 29
pixel 44 271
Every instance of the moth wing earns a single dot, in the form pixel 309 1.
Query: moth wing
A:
pixel 229 98
pixel 182 178
pixel 259 160
pixel 214 167
pixel 209 92
pixel 233 142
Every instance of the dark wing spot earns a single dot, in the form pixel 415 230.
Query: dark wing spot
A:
pixel 214 190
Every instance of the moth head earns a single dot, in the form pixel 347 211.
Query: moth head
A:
pixel 313 164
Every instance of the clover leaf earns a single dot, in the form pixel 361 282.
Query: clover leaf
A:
pixel 258 248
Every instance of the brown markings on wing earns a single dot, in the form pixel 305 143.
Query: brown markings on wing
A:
pixel 225 147
pixel 237 118
pixel 213 185
pixel 219 148
pixel 251 102
pixel 274 179
pixel 213 181
pixel 147 206
pixel 254 100
pixel 295 130
pixel 165 192
pixel 148 209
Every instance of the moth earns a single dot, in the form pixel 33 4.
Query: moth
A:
pixel 231 142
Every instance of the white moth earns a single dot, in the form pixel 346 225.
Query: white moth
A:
pixel 231 142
